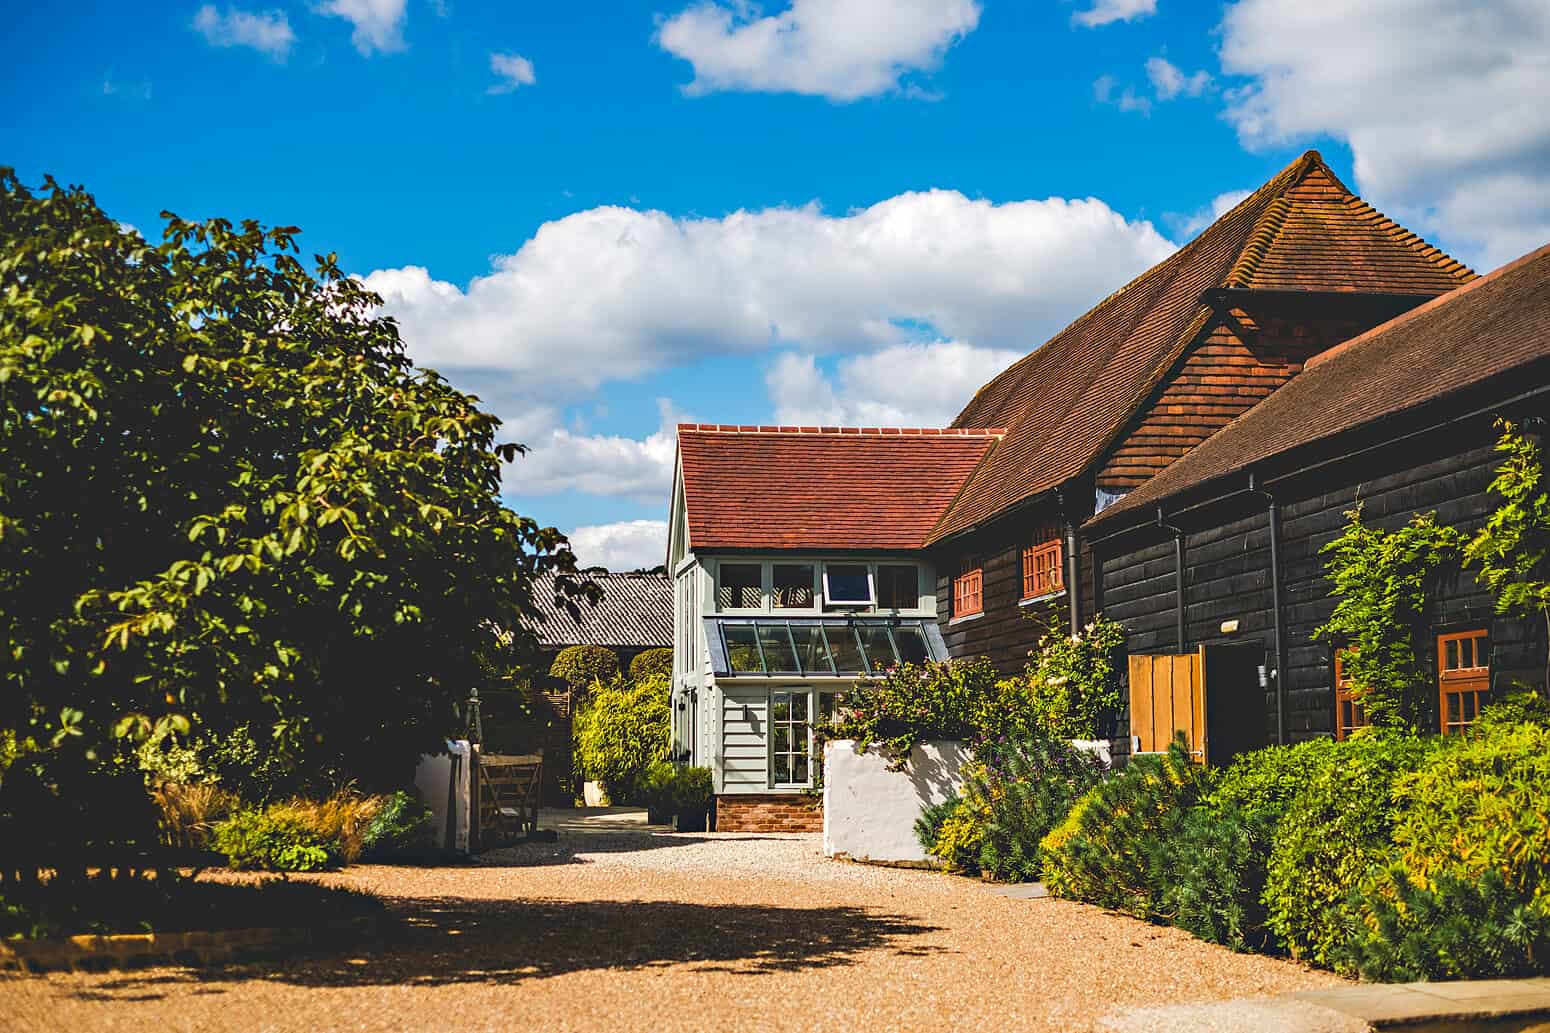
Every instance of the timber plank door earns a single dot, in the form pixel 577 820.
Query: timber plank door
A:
pixel 1212 695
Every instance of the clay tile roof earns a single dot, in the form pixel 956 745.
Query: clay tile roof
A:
pixel 636 610
pixel 1491 328
pixel 822 488
pixel 1064 404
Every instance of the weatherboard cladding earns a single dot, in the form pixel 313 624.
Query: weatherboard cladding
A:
pixel 1496 327
pixel 636 611
pixel 821 487
pixel 1064 405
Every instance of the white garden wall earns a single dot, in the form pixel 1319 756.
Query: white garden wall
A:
pixel 442 782
pixel 869 812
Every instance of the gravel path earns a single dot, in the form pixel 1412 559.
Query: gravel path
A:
pixel 628 930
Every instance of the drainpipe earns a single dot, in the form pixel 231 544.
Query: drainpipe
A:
pixel 1178 577
pixel 1273 517
pixel 1073 564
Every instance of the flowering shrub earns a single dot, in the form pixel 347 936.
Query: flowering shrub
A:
pixel 950 699
pixel 1074 679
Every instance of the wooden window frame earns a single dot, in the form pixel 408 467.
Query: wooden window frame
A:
pixel 1470 686
pixel 969 588
pixel 1349 712
pixel 809 698
pixel 1044 563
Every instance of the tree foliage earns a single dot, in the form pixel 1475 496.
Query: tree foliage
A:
pixel 1383 580
pixel 228 497
pixel 580 666
pixel 1512 550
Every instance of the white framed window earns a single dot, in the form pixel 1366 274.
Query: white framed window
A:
pixel 791 586
pixel 791 734
pixel 849 584
pixel 739 586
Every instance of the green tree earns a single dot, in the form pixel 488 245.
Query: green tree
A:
pixel 227 497
pixel 1512 550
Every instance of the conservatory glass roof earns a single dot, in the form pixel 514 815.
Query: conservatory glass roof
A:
pixel 819 647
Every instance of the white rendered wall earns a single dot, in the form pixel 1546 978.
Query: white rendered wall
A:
pixel 442 783
pixel 869 812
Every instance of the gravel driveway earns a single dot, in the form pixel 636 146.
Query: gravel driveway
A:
pixel 623 928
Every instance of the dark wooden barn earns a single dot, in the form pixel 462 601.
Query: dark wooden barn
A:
pixel 1213 565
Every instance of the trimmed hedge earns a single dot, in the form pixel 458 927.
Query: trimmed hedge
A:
pixel 620 729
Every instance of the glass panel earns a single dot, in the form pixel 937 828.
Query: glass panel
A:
pixel 782 769
pixel 792 586
pixel 782 739
pixel 799 706
pixel 1452 661
pixel 912 644
pixel 1453 708
pixel 1470 700
pixel 777 648
pixel 810 649
pixel 842 644
pixel 742 649
pixel 780 707
pixel 897 587
pixel 738 588
pixel 847 583
pixel 799 768
pixel 879 651
pixel 1467 652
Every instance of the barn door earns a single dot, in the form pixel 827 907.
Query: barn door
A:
pixel 1167 695
pixel 1237 718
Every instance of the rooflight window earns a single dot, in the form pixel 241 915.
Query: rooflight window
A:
pixel 792 586
pixel 738 586
pixel 812 652
pixel 775 642
pixel 844 648
pixel 848 584
pixel 743 649
pixel 911 643
pixel 878 646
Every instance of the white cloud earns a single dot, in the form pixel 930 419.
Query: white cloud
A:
pixel 559 459
pixel 1103 12
pixel 628 545
pixel 1442 105
pixel 1186 225
pixel 1106 90
pixel 513 70
pixel 268 32
pixel 839 49
pixel 379 24
pixel 615 293
pixel 1170 82
pixel 906 385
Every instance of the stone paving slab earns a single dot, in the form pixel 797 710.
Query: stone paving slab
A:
pixel 1400 1003
pixel 1261 1015
pixel 1018 890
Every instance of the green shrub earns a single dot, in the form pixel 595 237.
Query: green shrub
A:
pixel 1261 784
pixel 1108 849
pixel 1525 706
pixel 1074 680
pixel 655 790
pixel 693 790
pixel 1027 789
pixel 265 841
pixel 929 825
pixel 1207 867
pixel 960 835
pixel 402 824
pixel 1332 833
pixel 652 662
pixel 580 666
pixel 619 730
pixel 1396 930
pixel 914 703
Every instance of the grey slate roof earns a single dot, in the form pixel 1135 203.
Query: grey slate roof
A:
pixel 636 611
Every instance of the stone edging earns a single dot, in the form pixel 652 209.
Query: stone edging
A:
pixel 199 947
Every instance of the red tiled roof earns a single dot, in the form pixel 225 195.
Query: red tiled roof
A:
pixel 821 487
pixel 1064 404
pixel 1490 328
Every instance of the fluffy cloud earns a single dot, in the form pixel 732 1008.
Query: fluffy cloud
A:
pixel 379 24
pixel 1103 12
pixel 1187 225
pixel 906 385
pixel 839 49
pixel 629 545
pixel 614 293
pixel 599 464
pixel 1170 82
pixel 268 32
pixel 513 70
pixel 1106 90
pixel 1442 105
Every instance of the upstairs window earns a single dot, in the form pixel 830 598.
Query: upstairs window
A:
pixel 898 587
pixel 1349 713
pixel 1463 678
pixel 791 586
pixel 848 584
pixel 1044 563
pixel 969 588
pixel 738 586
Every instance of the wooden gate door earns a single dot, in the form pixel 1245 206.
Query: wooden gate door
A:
pixel 1167 695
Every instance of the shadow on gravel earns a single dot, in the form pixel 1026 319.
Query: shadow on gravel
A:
pixel 455 941
pixel 569 847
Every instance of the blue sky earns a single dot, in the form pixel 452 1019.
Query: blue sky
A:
pixel 604 217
